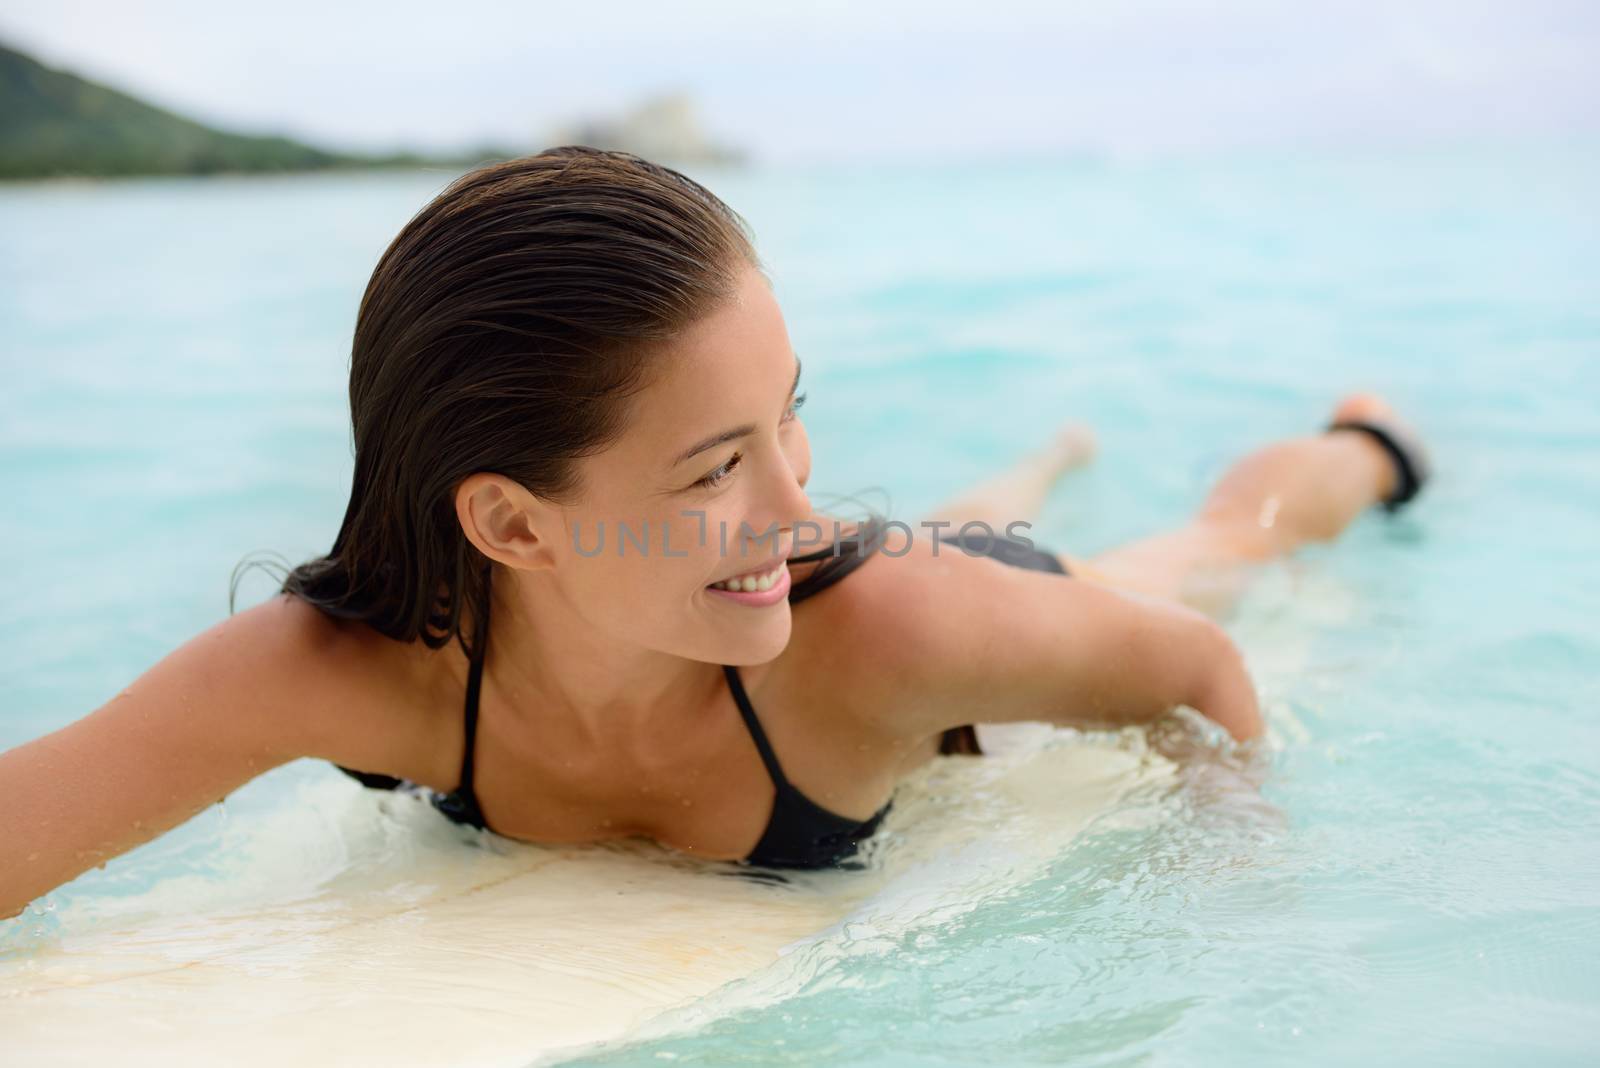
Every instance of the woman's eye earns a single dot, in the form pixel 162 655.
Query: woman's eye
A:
pixel 716 477
pixel 720 475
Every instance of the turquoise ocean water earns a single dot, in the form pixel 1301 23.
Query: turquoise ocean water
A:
pixel 1417 877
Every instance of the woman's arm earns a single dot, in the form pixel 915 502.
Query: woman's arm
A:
pixel 233 702
pixel 967 639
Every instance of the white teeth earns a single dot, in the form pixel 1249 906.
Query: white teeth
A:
pixel 749 583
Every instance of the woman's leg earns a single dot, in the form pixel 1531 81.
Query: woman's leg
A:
pixel 1017 493
pixel 1268 504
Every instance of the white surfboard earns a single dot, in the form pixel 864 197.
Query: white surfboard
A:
pixel 438 953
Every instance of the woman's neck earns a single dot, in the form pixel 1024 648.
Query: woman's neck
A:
pixel 545 662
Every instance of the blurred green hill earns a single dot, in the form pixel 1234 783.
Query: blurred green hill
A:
pixel 54 123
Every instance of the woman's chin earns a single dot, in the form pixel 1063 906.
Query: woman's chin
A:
pixel 756 643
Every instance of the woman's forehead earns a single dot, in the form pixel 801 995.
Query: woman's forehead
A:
pixel 732 366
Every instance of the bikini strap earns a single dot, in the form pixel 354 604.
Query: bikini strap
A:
pixel 753 725
pixel 474 687
pixel 461 804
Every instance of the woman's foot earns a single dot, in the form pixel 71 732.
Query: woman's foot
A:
pixel 1018 493
pixel 1365 406
pixel 1371 408
pixel 1072 447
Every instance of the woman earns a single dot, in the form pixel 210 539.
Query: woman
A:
pixel 576 425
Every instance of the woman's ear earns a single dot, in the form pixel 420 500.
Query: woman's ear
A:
pixel 505 522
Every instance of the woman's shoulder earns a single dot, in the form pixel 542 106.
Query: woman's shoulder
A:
pixel 864 629
pixel 889 584
pixel 369 702
pixel 924 636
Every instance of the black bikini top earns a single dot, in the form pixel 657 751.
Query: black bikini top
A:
pixel 800 833
pixel 460 804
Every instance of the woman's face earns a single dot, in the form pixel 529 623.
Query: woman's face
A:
pixel 707 483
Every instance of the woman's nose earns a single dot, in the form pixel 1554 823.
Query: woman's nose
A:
pixel 795 505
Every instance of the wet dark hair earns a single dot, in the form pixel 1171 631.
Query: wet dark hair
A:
pixel 502 330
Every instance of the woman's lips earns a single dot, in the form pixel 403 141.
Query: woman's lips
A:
pixel 778 591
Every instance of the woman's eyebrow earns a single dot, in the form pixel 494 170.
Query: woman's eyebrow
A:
pixel 735 432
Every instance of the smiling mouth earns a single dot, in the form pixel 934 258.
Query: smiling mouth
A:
pixel 751 581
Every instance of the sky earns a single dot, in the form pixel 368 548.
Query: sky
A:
pixel 857 80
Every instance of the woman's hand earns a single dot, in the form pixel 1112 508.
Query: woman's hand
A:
pixel 1225 692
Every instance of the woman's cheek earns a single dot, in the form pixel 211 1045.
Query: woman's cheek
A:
pixel 706 529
